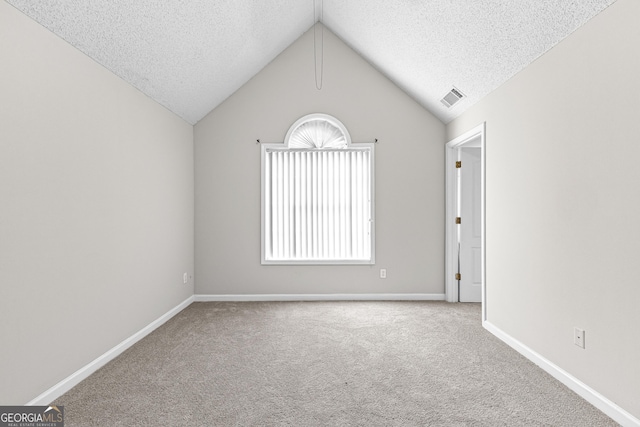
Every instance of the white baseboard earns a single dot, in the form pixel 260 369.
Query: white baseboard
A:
pixel 321 297
pixel 587 393
pixel 74 379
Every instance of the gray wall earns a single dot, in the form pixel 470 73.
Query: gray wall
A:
pixel 409 177
pixel 96 209
pixel 562 203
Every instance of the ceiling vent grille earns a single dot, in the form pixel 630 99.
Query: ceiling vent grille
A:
pixel 452 98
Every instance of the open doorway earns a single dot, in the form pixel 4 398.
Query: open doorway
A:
pixel 465 216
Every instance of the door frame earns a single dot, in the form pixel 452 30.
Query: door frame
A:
pixel 470 138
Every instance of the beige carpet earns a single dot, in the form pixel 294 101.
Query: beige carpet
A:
pixel 324 364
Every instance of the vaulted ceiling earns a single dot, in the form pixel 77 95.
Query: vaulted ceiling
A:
pixel 190 55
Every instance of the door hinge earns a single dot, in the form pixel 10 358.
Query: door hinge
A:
pixel 458 220
pixel 458 165
pixel 458 276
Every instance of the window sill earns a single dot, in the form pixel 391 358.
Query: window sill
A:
pixel 319 262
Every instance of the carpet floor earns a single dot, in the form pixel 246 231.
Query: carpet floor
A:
pixel 341 363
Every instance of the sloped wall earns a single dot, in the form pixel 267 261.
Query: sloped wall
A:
pixel 96 209
pixel 562 203
pixel 409 177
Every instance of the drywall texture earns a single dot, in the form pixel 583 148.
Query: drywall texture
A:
pixel 192 55
pixel 562 203
pixel 96 213
pixel 409 177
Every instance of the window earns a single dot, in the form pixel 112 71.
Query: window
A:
pixel 317 196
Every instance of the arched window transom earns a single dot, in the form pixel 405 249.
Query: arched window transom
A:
pixel 317 131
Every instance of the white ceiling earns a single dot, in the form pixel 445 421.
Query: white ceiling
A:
pixel 190 55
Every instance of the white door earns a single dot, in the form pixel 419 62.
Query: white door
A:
pixel 470 227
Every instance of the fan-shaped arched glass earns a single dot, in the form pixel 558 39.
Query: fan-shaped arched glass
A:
pixel 317 131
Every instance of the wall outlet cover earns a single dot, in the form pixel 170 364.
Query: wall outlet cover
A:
pixel 578 337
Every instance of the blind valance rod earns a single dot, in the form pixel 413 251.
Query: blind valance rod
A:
pixel 258 142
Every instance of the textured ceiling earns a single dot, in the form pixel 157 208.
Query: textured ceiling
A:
pixel 190 55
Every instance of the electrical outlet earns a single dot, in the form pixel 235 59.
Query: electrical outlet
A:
pixel 185 278
pixel 578 337
pixel 383 273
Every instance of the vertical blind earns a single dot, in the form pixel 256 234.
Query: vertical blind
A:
pixel 317 204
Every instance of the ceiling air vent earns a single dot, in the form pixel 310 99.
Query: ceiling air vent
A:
pixel 452 98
